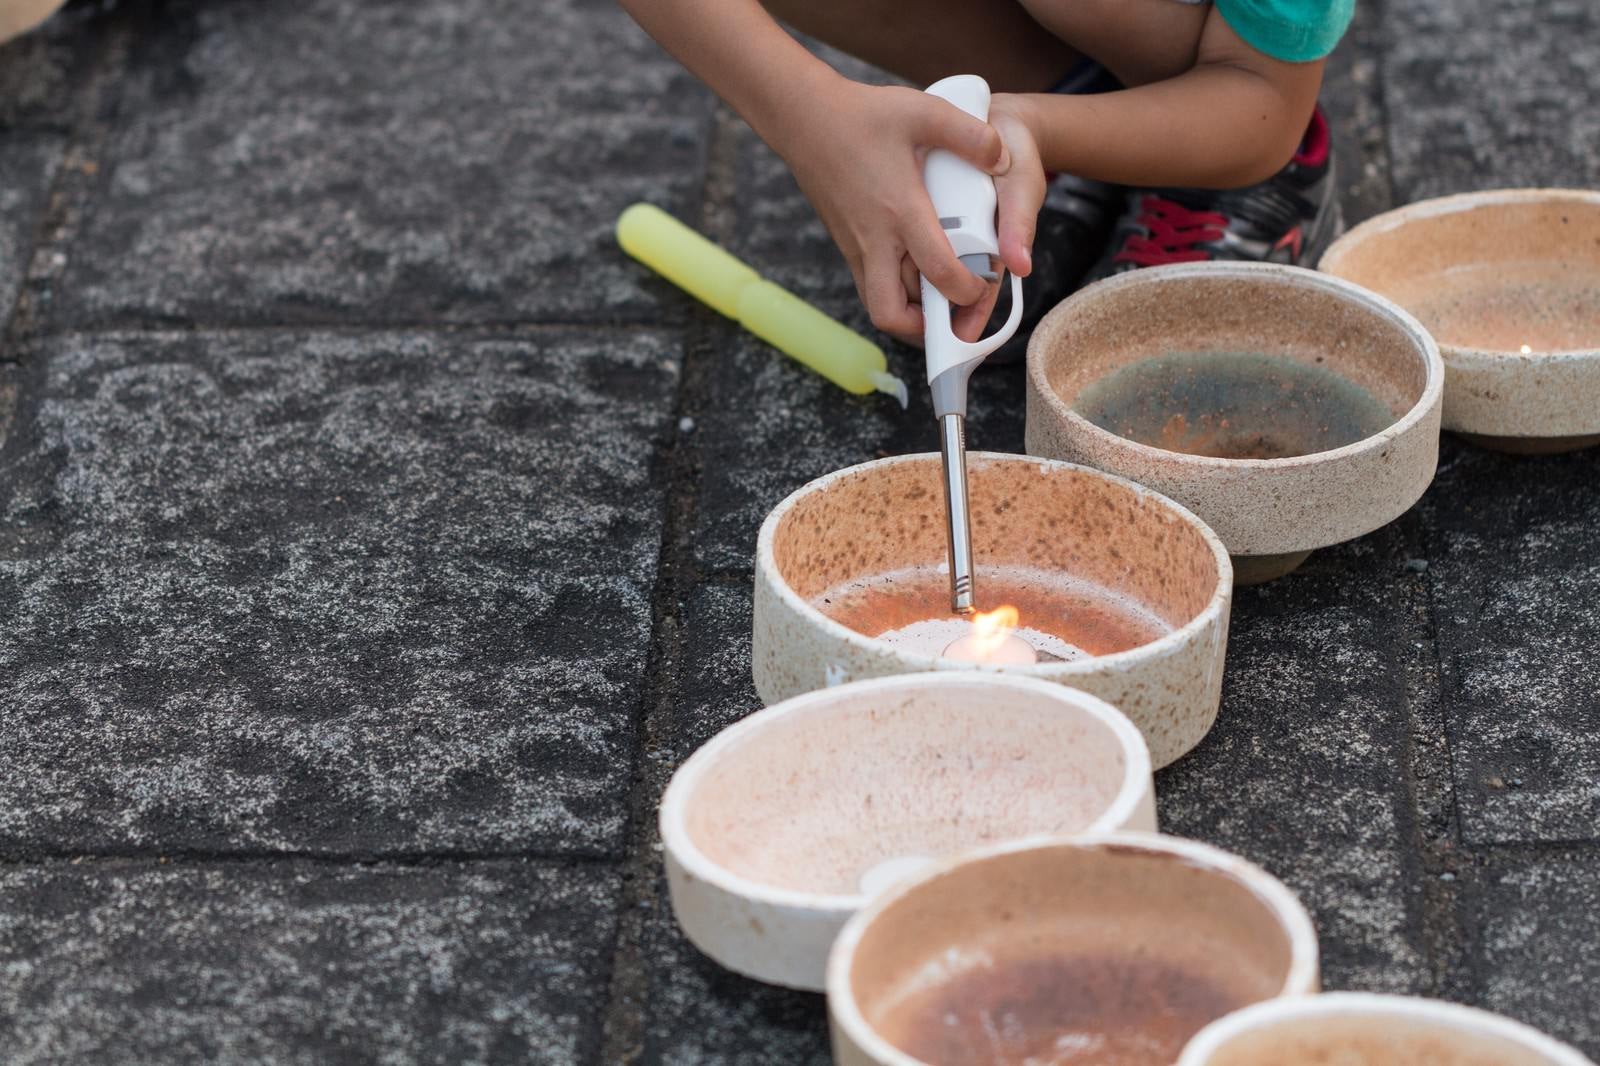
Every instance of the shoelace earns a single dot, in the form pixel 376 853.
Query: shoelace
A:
pixel 1174 230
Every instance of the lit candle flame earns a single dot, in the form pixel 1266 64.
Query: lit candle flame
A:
pixel 1526 350
pixel 991 628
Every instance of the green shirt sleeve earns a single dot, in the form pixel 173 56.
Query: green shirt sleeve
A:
pixel 1296 31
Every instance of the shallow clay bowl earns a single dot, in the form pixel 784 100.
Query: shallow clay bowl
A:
pixel 781 827
pixel 1288 409
pixel 1362 1029
pixel 1117 947
pixel 1489 273
pixel 1136 582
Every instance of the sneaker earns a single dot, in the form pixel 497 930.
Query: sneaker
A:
pixel 1074 224
pixel 1291 217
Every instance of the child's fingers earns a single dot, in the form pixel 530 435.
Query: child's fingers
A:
pixel 911 280
pixel 968 322
pixel 1019 195
pixel 936 260
pixel 884 293
pixel 944 125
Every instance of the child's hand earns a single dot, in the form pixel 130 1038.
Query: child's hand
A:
pixel 858 157
pixel 1021 188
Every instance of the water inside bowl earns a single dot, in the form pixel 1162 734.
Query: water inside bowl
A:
pixel 1233 405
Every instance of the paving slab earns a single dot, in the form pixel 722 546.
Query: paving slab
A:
pixel 385 594
pixel 336 160
pixel 1539 945
pixel 41 71
pixel 1488 93
pixel 1302 772
pixel 296 962
pixel 27 168
pixel 1516 585
pixel 1352 102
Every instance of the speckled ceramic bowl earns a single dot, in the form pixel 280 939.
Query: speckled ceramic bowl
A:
pixel 1123 945
pixel 1136 582
pixel 1288 409
pixel 1361 1029
pixel 782 827
pixel 1509 283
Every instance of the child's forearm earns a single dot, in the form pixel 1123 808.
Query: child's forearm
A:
pixel 745 57
pixel 1216 126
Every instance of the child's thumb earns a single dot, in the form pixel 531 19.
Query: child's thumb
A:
pixel 947 126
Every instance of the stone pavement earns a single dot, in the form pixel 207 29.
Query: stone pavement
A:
pixel 375 539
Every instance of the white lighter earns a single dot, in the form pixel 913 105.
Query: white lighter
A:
pixel 964 199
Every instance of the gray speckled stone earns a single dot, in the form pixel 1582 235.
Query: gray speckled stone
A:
pixel 770 425
pixel 698 1012
pixel 1302 772
pixel 134 962
pixel 41 71
pixel 27 166
pixel 340 160
pixel 374 595
pixel 1516 579
pixel 715 688
pixel 1353 106
pixel 1539 955
pixel 1490 93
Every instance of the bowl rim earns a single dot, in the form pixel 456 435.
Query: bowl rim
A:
pixel 1454 203
pixel 1431 399
pixel 1137 776
pixel 1475 1020
pixel 1285 906
pixel 1216 606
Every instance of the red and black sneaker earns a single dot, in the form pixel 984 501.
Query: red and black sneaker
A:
pixel 1289 218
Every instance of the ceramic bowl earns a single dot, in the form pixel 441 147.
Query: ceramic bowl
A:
pixel 1137 585
pixel 1288 409
pixel 781 827
pixel 1120 946
pixel 1509 284
pixel 1362 1029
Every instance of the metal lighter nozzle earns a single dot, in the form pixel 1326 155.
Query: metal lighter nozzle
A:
pixel 953 449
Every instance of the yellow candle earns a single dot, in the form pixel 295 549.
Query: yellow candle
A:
pixel 774 314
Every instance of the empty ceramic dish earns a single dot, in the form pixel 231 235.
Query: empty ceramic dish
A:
pixel 1103 949
pixel 1126 592
pixel 781 827
pixel 1509 283
pixel 1288 409
pixel 1362 1029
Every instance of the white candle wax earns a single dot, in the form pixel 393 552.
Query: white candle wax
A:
pixel 933 636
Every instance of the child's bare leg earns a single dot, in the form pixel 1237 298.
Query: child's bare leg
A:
pixel 1139 41
pixel 999 41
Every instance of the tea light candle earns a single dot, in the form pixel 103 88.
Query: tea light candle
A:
pixel 956 638
pixel 1005 650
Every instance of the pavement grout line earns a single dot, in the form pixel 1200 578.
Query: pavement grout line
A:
pixel 622 1031
pixel 85 135
pixel 1429 785
pixel 72 186
pixel 343 326
pixel 405 860
pixel 1560 849
pixel 1378 43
